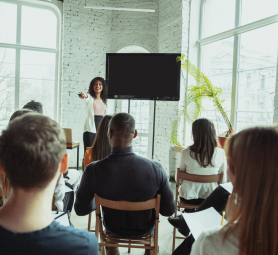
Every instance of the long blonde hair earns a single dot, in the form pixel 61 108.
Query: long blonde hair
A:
pixel 253 206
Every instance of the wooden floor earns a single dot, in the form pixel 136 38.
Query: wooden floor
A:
pixel 165 233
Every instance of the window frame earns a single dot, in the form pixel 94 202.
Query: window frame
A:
pixel 236 33
pixel 18 47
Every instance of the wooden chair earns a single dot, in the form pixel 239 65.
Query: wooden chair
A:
pixel 182 175
pixel 108 240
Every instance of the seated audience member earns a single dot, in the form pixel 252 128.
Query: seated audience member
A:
pixel 252 208
pixel 26 220
pixel 34 106
pixel 59 193
pixel 101 147
pixel 4 182
pixel 124 176
pixel 204 157
pixel 217 199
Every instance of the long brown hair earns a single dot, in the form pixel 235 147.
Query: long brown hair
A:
pixel 253 206
pixel 205 141
pixel 101 147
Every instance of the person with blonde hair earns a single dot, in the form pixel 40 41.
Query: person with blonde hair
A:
pixel 101 147
pixel 252 209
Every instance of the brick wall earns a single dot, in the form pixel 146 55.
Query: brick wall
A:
pixel 172 38
pixel 134 28
pixel 89 34
pixel 86 39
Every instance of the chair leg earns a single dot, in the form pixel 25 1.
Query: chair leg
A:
pixel 128 249
pixel 89 221
pixel 103 250
pixel 174 240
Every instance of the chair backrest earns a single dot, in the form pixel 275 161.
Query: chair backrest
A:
pixel 181 175
pixel 106 240
pixel 129 206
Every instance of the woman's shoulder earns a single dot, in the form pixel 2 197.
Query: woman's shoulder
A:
pixel 213 242
pixel 186 150
pixel 219 151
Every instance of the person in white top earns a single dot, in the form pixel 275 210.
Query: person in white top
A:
pixel 204 157
pixel 95 102
pixel 252 209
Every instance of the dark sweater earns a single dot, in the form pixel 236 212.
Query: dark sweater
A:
pixel 54 239
pixel 125 176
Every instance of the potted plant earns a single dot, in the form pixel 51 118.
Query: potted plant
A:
pixel 192 105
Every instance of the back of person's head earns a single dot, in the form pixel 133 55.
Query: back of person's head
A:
pixel 34 106
pixel 3 178
pixel 103 94
pixel 19 113
pixel 31 149
pixel 101 146
pixel 123 126
pixel 252 159
pixel 205 141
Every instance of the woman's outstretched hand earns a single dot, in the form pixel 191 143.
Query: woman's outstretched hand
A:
pixel 83 95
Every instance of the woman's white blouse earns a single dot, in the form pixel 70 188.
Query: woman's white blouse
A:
pixel 194 190
pixel 211 243
pixel 89 125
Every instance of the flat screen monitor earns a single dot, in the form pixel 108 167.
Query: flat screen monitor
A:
pixel 152 76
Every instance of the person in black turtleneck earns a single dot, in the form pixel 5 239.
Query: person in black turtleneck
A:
pixel 123 175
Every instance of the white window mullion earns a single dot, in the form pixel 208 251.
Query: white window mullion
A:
pixel 236 57
pixel 17 56
pixel 239 30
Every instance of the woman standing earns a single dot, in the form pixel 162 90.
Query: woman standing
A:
pixel 95 102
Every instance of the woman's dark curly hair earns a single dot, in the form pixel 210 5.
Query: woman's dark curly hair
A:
pixel 103 94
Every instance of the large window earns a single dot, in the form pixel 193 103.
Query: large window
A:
pixel 29 57
pixel 238 52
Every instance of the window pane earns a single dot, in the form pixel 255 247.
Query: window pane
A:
pixel 8 18
pixel 253 10
pixel 257 75
pixel 219 16
pixel 7 85
pixel 139 109
pixel 140 146
pixel 38 27
pixel 37 79
pixel 217 64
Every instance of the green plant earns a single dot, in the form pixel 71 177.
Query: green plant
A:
pixel 192 105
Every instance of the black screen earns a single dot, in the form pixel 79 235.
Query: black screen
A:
pixel 143 76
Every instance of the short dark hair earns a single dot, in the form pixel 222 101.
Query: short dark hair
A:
pixel 103 94
pixel 19 113
pixel 123 123
pixel 31 149
pixel 34 106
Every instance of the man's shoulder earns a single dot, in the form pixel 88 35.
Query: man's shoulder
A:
pixel 54 239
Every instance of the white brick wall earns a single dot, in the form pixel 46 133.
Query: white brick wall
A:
pixel 89 34
pixel 172 38
pixel 86 39
pixel 134 28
